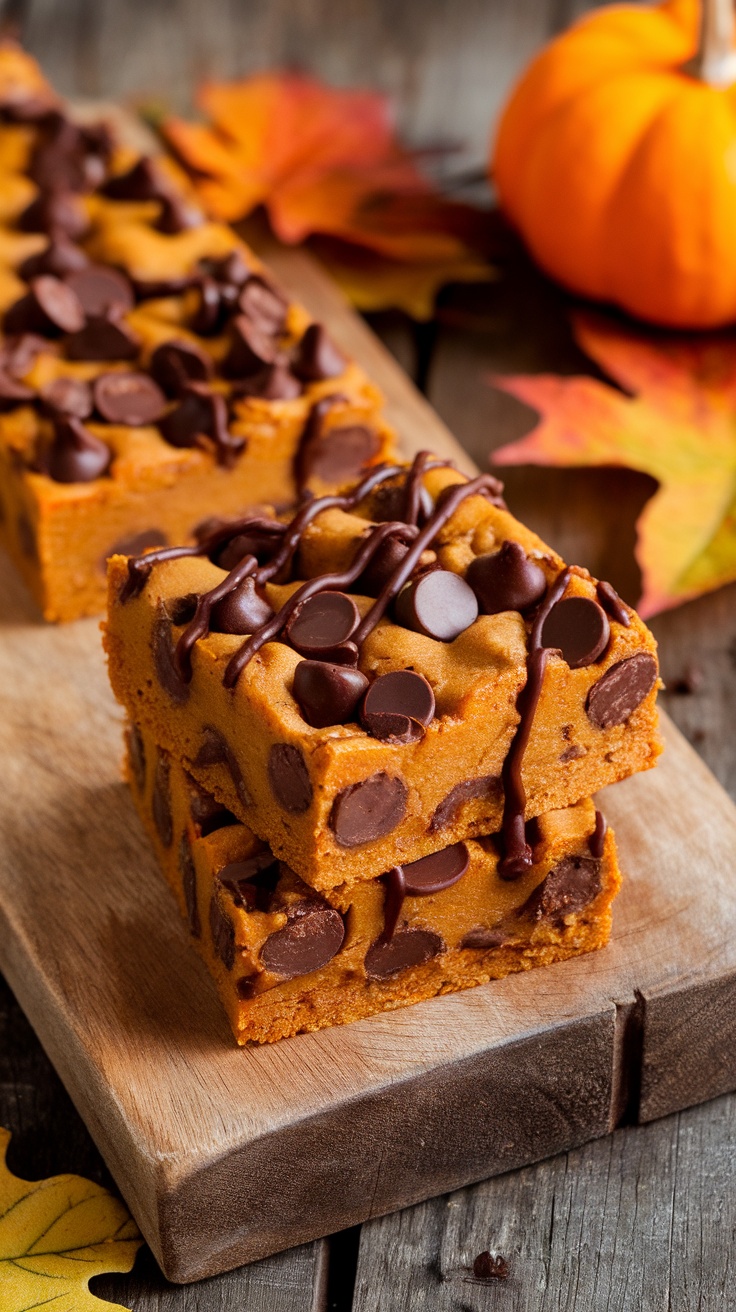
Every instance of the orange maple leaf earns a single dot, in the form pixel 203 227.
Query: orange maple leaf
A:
pixel 678 424
pixel 327 162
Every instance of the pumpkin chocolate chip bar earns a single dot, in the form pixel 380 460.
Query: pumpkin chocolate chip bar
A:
pixel 286 959
pixel 384 673
pixel 152 373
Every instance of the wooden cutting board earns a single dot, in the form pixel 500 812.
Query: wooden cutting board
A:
pixel 226 1155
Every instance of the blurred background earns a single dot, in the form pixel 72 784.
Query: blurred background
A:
pixel 447 64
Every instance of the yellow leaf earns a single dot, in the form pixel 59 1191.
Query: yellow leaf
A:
pixel 372 282
pixel 54 1236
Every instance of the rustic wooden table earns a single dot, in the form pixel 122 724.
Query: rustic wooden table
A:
pixel 644 1220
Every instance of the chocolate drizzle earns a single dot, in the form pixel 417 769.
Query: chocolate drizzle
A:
pixel 597 839
pixel 518 856
pixel 395 885
pixel 281 560
pixel 612 603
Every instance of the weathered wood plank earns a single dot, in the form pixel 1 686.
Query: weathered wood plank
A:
pixel 643 1221
pixel 447 64
pixel 49 1138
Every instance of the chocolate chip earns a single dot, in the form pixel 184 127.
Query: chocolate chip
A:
pixel 212 309
pixel 341 454
pixel 275 382
pixel 216 750
pixel 13 393
pixel 317 357
pixel 67 396
pixel 312 937
pixel 487 788
pixel 260 544
pixel 436 872
pixel 128 398
pixel 321 623
pixel 264 305
pixel 59 258
pixel 183 609
pixel 327 693
pixel 289 778
pixel 578 627
pixel 398 705
pixel 573 883
pixel 484 938
pixel 53 212
pixel 395 728
pixel 506 580
pixel 104 337
pixel 231 268
pixel 176 363
pixel 252 883
pixel 98 287
pixel 439 604
pixel 151 289
pixel 137 543
pixel 161 802
pixel 18 354
pixel 572 753
pixel 242 611
pixel 189 886
pixel 48 307
pixel 621 689
pixel 177 215
pixel 136 755
pixel 207 814
pixel 250 349
pixel 407 948
pixel 69 157
pixel 385 561
pixel 201 414
pixel 222 933
pixel 163 646
pixel 388 502
pixel 141 182
pixel 486 1267
pixel 75 455
pixel 368 810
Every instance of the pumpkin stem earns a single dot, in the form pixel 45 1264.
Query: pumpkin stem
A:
pixel 715 59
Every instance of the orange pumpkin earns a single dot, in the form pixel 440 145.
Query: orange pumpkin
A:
pixel 616 160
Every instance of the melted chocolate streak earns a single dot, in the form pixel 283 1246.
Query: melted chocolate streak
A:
pixel 518 856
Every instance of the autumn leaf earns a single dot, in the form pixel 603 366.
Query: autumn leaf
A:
pixel 327 161
pixel 677 423
pixel 54 1236
pixel 372 282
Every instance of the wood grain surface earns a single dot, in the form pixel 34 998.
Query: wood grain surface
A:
pixel 643 1219
pixel 378 1114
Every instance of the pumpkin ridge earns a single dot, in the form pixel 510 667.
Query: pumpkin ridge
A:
pixel 624 278
pixel 587 221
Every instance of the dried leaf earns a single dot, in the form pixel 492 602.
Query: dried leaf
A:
pixel 54 1236
pixel 372 282
pixel 324 161
pixel 678 424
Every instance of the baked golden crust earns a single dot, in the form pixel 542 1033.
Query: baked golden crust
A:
pixel 450 777
pixel 59 533
pixel 560 909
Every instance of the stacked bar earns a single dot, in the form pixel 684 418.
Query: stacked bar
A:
pixel 364 739
pixel 152 372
